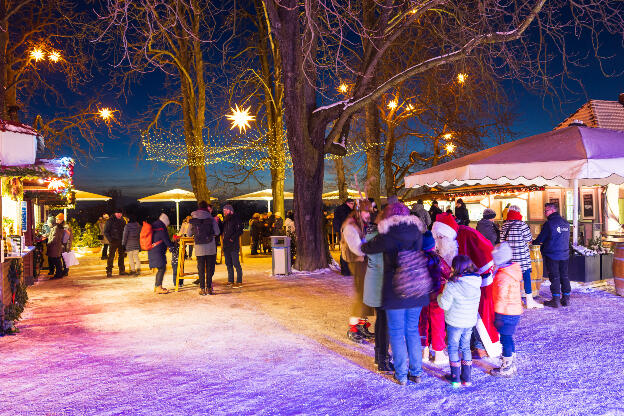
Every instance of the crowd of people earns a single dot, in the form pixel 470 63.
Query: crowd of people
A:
pixel 435 283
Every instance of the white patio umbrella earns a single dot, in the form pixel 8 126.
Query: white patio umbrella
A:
pixel 80 196
pixel 567 157
pixel 264 195
pixel 174 195
pixel 351 193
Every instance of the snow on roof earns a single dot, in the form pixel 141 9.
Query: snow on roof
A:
pixel 14 126
pixel 598 113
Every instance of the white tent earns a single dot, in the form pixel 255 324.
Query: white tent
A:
pixel 174 195
pixel 264 195
pixel 567 157
pixel 335 195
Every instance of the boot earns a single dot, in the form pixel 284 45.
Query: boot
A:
pixel 439 357
pixel 454 376
pixel 553 303
pixel 362 327
pixel 479 353
pixel 565 300
pixel 210 291
pixel 384 365
pixel 354 335
pixel 507 369
pixel 466 369
pixel 425 354
pixel 159 290
pixel 531 303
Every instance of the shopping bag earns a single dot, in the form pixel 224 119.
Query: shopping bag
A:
pixel 70 259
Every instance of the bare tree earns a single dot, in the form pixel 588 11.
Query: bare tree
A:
pixel 315 38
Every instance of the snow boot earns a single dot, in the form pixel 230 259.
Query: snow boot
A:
pixel 565 300
pixel 425 354
pixel 385 365
pixel 354 335
pixel 401 381
pixel 454 377
pixel 531 303
pixel 466 369
pixel 159 290
pixel 414 379
pixel 362 327
pixel 507 369
pixel 553 303
pixel 439 357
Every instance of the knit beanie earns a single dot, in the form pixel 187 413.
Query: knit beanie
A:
pixel 489 213
pixel 60 217
pixel 428 241
pixel 165 219
pixel 502 253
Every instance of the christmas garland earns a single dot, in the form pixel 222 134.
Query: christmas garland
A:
pixel 13 188
pixel 27 172
pixel 496 191
pixel 19 297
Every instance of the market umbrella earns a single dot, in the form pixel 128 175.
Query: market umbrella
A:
pixel 567 157
pixel 264 195
pixel 335 195
pixel 89 196
pixel 174 195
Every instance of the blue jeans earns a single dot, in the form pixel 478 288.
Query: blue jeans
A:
pixel 506 326
pixel 232 262
pixel 405 341
pixel 458 341
pixel 526 276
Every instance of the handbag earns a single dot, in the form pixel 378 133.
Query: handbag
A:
pixel 70 259
pixel 411 277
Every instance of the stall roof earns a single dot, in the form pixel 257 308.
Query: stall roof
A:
pixel 16 127
pixel 351 193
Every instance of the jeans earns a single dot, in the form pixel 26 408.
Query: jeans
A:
pixel 558 276
pixel 382 342
pixel 405 341
pixel 255 242
pixel 506 326
pixel 476 339
pixel 232 262
pixel 133 260
pixel 526 277
pixel 205 269
pixel 104 251
pixel 56 264
pixel 458 341
pixel 160 273
pixel 115 247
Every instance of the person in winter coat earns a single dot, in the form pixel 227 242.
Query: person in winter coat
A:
pixel 101 226
pixel 400 231
pixel 255 232
pixel 460 301
pixel 204 229
pixel 373 286
pixel 55 247
pixel 555 241
pixel 132 245
pixel 431 325
pixel 289 227
pixel 185 230
pixel 420 212
pixel 352 233
pixel 232 230
pixel 434 211
pixel 340 215
pixel 278 224
pixel 157 256
pixel 461 213
pixel 113 232
pixel 488 227
pixel 507 305
pixel 517 233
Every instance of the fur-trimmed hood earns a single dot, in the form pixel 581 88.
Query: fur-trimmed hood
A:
pixel 387 223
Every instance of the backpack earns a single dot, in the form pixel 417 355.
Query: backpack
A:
pixel 204 231
pixel 411 277
pixel 146 237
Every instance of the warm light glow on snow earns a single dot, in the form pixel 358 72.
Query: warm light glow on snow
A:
pixel 37 54
pixel 240 118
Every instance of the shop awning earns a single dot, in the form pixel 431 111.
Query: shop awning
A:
pixel 263 195
pixel 351 193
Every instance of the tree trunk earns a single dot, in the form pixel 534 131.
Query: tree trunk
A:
pixel 388 167
pixel 4 41
pixel 343 194
pixel 373 153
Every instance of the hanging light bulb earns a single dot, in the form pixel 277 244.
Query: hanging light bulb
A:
pixel 450 147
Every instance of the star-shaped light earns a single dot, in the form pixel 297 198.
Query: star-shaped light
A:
pixel 37 54
pixel 450 147
pixel 447 136
pixel 54 56
pixel 461 78
pixel 105 113
pixel 392 104
pixel 343 88
pixel 240 118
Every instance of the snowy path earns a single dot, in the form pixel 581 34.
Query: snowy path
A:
pixel 91 345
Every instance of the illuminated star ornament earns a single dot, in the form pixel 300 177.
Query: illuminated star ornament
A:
pixel 450 147
pixel 37 54
pixel 105 113
pixel 343 88
pixel 54 56
pixel 240 118
pixel 461 78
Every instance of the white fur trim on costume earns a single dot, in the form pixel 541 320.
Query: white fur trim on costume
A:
pixel 385 224
pixel 494 349
pixel 442 229
pixel 486 281
pixel 486 267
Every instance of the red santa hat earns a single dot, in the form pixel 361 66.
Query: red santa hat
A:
pixel 445 225
pixel 473 244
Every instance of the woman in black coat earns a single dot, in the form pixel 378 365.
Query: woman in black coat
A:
pixel 461 213
pixel 400 231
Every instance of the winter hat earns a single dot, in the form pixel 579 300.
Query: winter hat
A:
pixel 502 253
pixel 165 219
pixel 396 209
pixel 228 207
pixel 445 225
pixel 488 214
pixel 60 217
pixel 428 243
pixel 514 215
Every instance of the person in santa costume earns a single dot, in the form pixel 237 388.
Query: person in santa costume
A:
pixel 453 239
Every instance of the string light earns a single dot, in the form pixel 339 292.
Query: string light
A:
pixel 240 118
pixel 37 54
pixel 447 136
pixel 496 191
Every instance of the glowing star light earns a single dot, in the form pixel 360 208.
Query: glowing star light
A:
pixel 240 118
pixel 392 104
pixel 447 136
pixel 54 56
pixel 343 88
pixel 37 54
pixel 105 113
pixel 461 78
pixel 450 147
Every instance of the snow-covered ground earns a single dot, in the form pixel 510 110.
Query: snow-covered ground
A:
pixel 90 345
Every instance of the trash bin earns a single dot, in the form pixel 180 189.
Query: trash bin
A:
pixel 280 247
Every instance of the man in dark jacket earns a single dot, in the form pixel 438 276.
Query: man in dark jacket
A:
pixel 488 227
pixel 232 230
pixel 434 211
pixel 461 213
pixel 555 241
pixel 113 232
pixel 340 215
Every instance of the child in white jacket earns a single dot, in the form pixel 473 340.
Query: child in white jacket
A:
pixel 460 301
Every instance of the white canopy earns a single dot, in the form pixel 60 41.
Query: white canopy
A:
pixel 566 157
pixel 263 195
pixel 89 196
pixel 175 195
pixel 351 193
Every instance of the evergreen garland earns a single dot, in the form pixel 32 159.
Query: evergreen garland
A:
pixel 13 311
